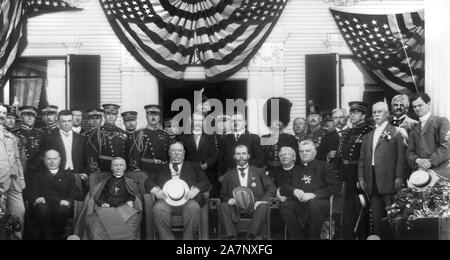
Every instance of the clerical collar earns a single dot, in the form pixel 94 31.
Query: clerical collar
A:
pixel 425 118
pixel 54 171
pixel 289 168
pixel 307 164
pixel 118 177
pixel 76 128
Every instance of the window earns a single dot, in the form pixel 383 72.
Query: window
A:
pixel 37 82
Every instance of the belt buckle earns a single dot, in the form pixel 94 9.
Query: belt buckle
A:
pixel 157 161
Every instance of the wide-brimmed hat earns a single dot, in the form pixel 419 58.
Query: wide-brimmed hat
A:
pixel 245 200
pixel 422 179
pixel 364 199
pixel 176 190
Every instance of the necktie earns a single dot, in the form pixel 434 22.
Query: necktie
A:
pixel 237 137
pixel 175 167
pixel 242 170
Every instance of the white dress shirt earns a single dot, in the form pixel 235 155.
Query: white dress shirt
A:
pixel 424 119
pixel 67 139
pixel 243 180
pixel 376 137
pixel 77 129
pixel 197 137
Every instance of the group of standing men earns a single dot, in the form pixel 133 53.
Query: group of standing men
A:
pixel 374 158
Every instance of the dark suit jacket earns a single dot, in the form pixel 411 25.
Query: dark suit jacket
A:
pixel 53 141
pixel 52 188
pixel 389 161
pixel 206 151
pixel 253 143
pixel 261 185
pixel 429 142
pixel 191 173
pixel 317 178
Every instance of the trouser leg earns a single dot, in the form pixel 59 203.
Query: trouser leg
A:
pixel 226 217
pixel 162 214
pixel 191 219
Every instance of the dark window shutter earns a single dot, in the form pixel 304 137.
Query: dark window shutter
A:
pixel 84 73
pixel 321 76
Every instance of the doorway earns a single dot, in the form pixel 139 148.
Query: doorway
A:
pixel 169 92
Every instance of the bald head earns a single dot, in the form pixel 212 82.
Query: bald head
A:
pixel 52 160
pixel 380 112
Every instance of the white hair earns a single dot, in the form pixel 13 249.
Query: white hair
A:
pixel 402 99
pixel 382 105
pixel 289 150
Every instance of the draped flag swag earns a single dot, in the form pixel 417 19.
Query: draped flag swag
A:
pixel 391 47
pixel 167 36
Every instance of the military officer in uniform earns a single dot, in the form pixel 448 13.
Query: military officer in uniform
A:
pixel 150 146
pixel 346 164
pixel 130 121
pixel 49 116
pixel 107 142
pixel 29 139
pixel 95 118
pixel 10 120
pixel 315 132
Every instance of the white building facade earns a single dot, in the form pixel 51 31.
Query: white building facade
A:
pixel 305 27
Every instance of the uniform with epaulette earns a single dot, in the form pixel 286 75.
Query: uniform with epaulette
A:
pixel 106 143
pixel 29 139
pixel 150 146
pixel 49 115
pixel 346 165
pixel 11 119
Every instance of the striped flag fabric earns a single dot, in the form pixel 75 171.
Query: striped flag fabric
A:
pixel 167 36
pixel 12 31
pixel 38 7
pixel 390 47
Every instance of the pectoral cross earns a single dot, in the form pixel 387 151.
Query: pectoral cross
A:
pixel 116 190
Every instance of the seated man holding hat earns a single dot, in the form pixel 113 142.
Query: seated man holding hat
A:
pixel 113 208
pixel 242 186
pixel 177 186
pixel 308 191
